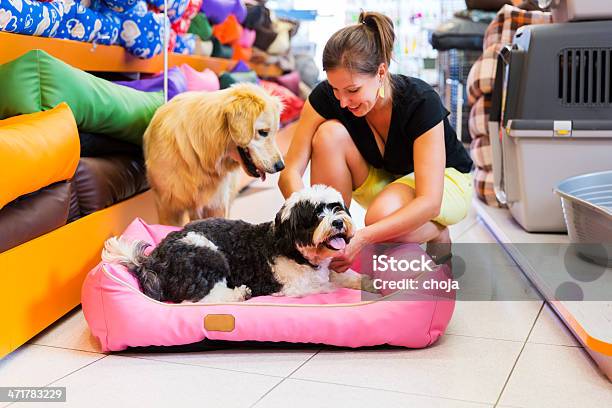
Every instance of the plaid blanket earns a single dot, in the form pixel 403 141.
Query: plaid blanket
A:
pixel 480 85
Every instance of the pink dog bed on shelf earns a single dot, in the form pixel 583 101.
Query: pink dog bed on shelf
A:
pixel 121 316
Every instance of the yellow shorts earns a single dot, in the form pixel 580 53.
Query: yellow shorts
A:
pixel 456 199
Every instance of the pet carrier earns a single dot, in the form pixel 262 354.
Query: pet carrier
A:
pixel 577 10
pixel 556 123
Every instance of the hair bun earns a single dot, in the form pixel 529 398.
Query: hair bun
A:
pixel 367 19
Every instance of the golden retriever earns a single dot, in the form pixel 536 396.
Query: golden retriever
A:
pixel 196 143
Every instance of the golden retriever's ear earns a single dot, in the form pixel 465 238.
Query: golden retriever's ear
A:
pixel 241 112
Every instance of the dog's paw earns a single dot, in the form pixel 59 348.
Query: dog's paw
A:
pixel 367 284
pixel 242 292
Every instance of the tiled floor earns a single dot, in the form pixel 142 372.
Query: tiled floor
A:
pixel 511 353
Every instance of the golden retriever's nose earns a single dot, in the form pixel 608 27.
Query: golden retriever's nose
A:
pixel 278 166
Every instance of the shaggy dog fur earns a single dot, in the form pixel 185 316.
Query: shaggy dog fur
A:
pixel 220 260
pixel 196 142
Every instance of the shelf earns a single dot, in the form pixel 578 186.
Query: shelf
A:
pixel 546 260
pixel 112 58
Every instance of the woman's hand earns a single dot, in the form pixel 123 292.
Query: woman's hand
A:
pixel 344 261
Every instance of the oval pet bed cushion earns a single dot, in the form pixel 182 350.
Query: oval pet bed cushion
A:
pixel 36 150
pixel 121 316
pixel 36 81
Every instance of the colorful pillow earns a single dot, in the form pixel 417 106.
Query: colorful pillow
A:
pixel 181 25
pixel 241 53
pixel 37 81
pixel 204 48
pixel 176 8
pixel 228 31
pixel 241 66
pixel 201 27
pixel 205 80
pixel 81 23
pixel 37 150
pixel 227 79
pixel 141 30
pixel 290 81
pixel 292 103
pixel 32 17
pixel 177 83
pixel 220 50
pixel 217 10
pixel 185 44
pixel 282 41
pixel 240 11
pixel 247 39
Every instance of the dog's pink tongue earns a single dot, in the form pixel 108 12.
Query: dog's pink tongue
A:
pixel 337 243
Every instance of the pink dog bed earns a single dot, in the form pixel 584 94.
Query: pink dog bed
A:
pixel 121 316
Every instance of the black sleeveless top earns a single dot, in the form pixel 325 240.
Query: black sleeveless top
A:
pixel 416 109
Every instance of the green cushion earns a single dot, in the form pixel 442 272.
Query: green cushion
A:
pixel 201 27
pixel 36 81
pixel 220 50
pixel 228 78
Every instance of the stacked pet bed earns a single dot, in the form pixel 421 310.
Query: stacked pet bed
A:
pixel 73 176
pixel 480 86
pixel 121 316
pixel 133 24
pixel 53 115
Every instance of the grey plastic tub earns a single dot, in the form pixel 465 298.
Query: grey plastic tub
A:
pixel 587 208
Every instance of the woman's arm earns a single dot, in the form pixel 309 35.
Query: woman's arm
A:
pixel 429 163
pixel 299 151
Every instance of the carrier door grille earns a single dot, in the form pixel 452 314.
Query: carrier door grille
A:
pixel 585 76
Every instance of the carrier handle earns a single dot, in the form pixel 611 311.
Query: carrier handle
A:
pixel 495 119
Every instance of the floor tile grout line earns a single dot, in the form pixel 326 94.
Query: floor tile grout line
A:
pixel 482 337
pixel 518 357
pixel 199 365
pixel 68 348
pixel 389 390
pixel 283 380
pixel 578 346
pixel 78 369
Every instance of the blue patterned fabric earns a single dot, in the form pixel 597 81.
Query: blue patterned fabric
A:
pixel 31 17
pixel 128 23
pixel 139 28
pixel 185 44
pixel 176 8
pixel 84 24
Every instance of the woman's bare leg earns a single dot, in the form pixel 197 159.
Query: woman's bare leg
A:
pixel 335 160
pixel 396 196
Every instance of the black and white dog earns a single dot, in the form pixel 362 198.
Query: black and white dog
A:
pixel 221 260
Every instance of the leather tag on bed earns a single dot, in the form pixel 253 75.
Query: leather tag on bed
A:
pixel 219 322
